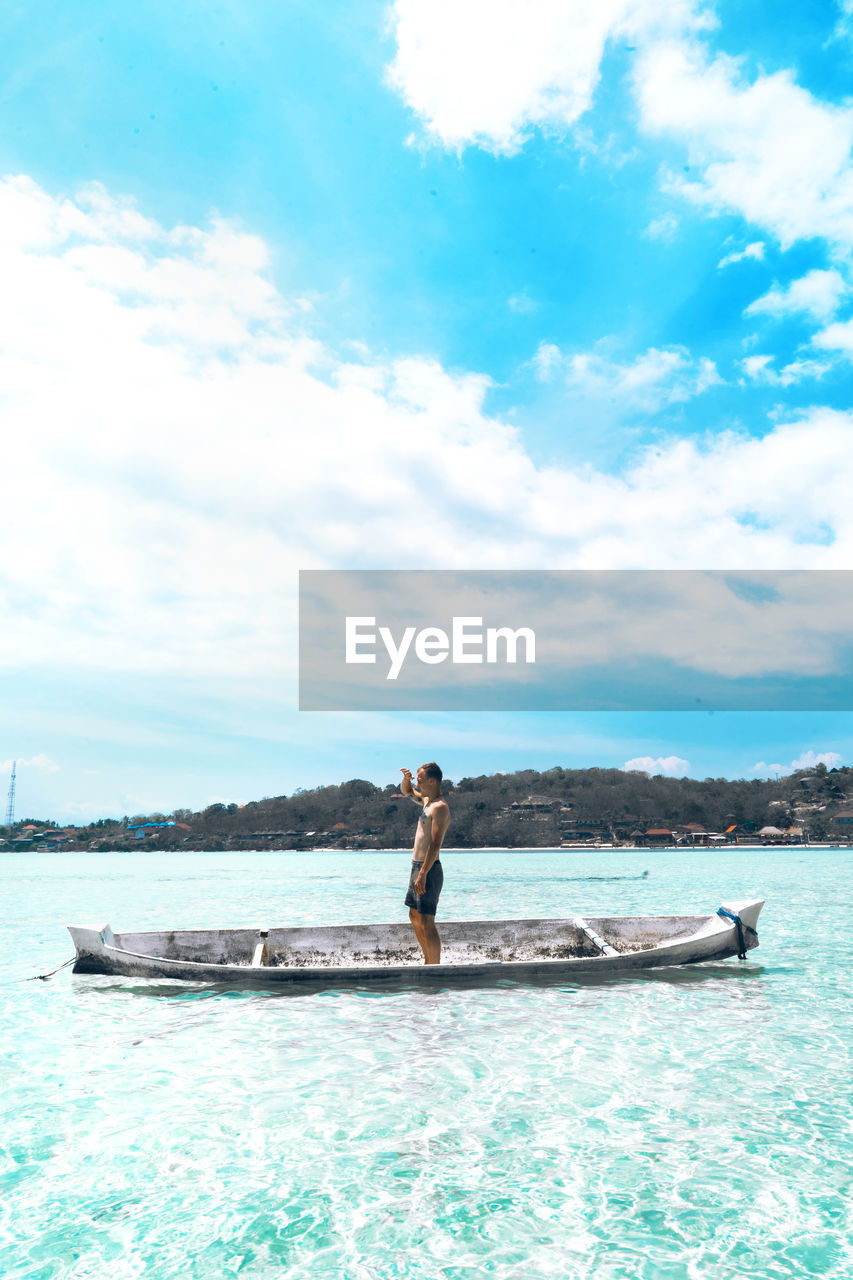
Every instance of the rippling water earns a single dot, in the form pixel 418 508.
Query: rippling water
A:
pixel 686 1123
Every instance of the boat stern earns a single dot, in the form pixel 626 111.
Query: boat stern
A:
pixel 743 916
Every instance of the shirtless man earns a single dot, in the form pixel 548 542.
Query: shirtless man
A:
pixel 426 876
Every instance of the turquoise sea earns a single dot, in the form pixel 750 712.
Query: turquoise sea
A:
pixel 687 1123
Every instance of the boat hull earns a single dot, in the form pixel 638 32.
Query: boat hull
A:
pixel 472 951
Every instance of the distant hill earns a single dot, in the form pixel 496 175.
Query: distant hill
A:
pixel 520 809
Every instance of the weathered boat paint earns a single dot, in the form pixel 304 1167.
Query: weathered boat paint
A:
pixel 338 955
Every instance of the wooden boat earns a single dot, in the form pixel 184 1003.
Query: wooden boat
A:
pixel 471 950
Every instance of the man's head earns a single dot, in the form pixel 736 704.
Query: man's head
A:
pixel 429 778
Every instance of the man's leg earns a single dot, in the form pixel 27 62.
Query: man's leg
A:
pixel 432 942
pixel 417 924
pixel 427 935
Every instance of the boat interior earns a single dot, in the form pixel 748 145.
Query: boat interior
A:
pixel 381 945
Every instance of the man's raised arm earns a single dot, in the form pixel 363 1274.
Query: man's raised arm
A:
pixel 408 788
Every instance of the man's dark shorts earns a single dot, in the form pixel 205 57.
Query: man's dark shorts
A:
pixel 426 903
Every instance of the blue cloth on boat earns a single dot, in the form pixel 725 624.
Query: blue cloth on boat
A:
pixel 427 902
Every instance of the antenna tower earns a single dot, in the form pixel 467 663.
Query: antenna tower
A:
pixel 10 807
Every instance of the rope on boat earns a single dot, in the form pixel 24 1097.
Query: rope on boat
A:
pixel 43 977
pixel 741 926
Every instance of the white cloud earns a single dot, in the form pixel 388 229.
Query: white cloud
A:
pixel 663 228
pixel 181 448
pixel 836 337
pixel 807 760
pixel 765 770
pixel 669 766
pixel 798 370
pixel 488 71
pixel 818 294
pixel 768 150
pixel 844 27
pixel 41 763
pixel 754 251
pixel 523 304
pixel 759 368
pixel 656 378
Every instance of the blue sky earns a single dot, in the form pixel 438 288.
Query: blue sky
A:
pixel 422 284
